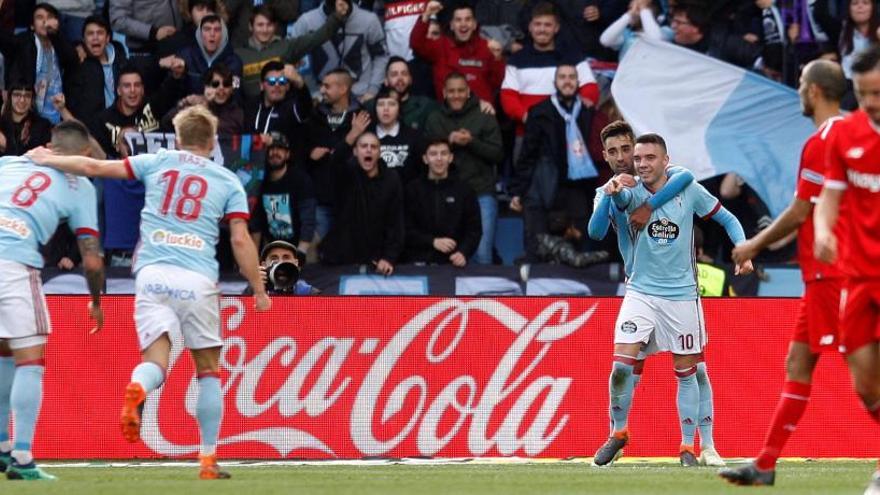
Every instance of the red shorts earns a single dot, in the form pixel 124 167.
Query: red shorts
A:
pixel 859 313
pixel 818 316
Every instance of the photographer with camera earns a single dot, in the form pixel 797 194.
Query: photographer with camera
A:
pixel 280 264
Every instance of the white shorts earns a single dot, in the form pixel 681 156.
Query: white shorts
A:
pixel 173 299
pixel 24 319
pixel 661 324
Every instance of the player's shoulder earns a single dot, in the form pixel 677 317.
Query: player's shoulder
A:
pixel 855 122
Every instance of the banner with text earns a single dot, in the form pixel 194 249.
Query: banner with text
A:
pixel 351 377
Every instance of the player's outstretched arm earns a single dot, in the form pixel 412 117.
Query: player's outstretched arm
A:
pixel 736 234
pixel 93 266
pixel 79 165
pixel 789 221
pixel 246 256
pixel 824 218
pixel 597 228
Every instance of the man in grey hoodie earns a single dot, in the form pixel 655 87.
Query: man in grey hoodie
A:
pixel 212 47
pixel 358 46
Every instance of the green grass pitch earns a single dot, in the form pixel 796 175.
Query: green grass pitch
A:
pixel 653 478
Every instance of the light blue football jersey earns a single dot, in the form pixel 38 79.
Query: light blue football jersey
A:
pixel 663 256
pixel 620 223
pixel 186 198
pixel 33 201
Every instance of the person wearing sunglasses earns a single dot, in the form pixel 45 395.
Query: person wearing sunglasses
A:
pixel 265 45
pixel 281 108
pixel 218 97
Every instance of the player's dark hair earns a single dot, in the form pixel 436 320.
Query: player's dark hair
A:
pixel 652 138
pixel 70 136
pixel 828 77
pixel 617 128
pixel 867 60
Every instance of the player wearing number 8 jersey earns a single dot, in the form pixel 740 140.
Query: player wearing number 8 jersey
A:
pixel 187 195
pixel 32 202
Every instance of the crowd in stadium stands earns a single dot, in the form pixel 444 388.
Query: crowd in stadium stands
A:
pixel 395 131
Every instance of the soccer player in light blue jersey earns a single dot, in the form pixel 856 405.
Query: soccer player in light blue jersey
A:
pixel 33 201
pixel 661 310
pixel 187 195
pixel 618 141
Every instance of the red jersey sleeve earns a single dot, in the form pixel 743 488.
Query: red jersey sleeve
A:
pixel 811 176
pixel 835 166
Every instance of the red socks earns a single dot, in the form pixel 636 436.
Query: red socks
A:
pixel 791 406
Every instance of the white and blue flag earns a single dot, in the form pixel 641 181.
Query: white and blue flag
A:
pixel 716 117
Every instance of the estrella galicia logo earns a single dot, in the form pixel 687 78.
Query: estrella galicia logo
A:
pixel 663 231
pixel 628 327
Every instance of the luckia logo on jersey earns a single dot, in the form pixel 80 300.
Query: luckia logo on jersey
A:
pixel 663 231
pixel 16 226
pixel 187 240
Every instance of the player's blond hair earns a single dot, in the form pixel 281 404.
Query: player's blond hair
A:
pixel 195 126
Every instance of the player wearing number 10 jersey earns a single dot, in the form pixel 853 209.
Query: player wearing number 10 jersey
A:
pixel 187 195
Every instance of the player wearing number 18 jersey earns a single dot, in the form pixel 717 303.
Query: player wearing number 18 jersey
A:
pixel 33 200
pixel 187 195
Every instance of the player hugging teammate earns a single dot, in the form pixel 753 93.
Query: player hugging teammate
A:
pixel 661 310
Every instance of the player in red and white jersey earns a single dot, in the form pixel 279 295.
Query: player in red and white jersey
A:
pixel 853 184
pixel 822 85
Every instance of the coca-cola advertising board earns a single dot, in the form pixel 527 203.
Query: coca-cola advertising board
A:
pixel 354 377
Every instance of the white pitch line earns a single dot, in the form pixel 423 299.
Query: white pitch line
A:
pixel 446 461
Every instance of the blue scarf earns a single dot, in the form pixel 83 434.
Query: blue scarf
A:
pixel 47 83
pixel 580 165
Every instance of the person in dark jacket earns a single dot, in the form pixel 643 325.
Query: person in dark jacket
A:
pixel 218 97
pixel 212 47
pixel 22 128
pixel 104 59
pixel 693 29
pixel 331 122
pixel 476 141
pixel 554 171
pixel 401 147
pixel 40 57
pixel 286 205
pixel 133 109
pixel 282 107
pixel 442 214
pixel 369 226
